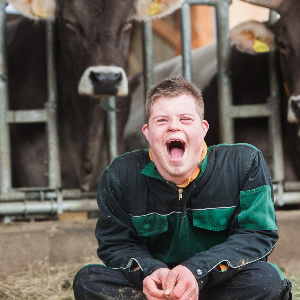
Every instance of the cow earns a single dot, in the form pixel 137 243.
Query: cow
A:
pixel 249 72
pixel 92 43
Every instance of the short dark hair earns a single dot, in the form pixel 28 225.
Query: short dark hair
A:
pixel 173 87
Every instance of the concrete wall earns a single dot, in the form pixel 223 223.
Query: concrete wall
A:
pixel 56 242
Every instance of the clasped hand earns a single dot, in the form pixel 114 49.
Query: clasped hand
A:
pixel 178 283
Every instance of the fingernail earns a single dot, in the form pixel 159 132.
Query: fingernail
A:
pixel 167 292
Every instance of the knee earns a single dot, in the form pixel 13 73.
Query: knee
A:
pixel 81 280
pixel 267 280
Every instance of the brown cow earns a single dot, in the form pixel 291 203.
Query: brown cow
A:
pixel 93 39
pixel 285 35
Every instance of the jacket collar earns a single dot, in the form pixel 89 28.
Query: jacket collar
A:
pixel 151 171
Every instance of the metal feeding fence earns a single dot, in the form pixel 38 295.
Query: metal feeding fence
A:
pixel 52 199
pixel 285 192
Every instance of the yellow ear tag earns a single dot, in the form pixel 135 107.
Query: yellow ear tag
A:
pixel 260 47
pixel 154 9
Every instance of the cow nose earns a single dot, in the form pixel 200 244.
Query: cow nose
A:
pixel 105 83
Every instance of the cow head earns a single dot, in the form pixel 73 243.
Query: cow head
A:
pixel 97 31
pixel 253 37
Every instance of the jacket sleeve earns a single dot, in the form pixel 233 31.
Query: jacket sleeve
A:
pixel 253 230
pixel 119 245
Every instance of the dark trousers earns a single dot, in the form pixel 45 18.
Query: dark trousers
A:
pixel 259 280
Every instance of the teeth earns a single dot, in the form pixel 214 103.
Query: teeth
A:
pixel 173 141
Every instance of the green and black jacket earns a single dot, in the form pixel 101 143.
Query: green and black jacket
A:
pixel 226 215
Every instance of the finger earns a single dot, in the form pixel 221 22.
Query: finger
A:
pixel 179 290
pixel 164 277
pixel 150 287
pixel 170 282
pixel 149 296
pixel 185 290
pixel 149 283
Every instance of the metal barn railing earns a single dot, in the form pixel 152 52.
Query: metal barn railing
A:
pixel 50 199
pixel 285 193
pixel 46 115
pixel 53 199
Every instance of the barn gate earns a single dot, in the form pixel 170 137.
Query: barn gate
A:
pixel 52 199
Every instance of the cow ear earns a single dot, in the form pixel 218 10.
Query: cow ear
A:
pixel 149 9
pixel 35 9
pixel 252 37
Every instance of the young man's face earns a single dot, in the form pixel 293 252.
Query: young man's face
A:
pixel 175 134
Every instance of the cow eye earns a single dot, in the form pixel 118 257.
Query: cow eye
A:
pixel 69 25
pixel 282 45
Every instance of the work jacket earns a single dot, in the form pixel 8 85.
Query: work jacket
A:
pixel 226 215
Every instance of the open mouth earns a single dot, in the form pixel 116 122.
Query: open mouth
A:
pixel 175 148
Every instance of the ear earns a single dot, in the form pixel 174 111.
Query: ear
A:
pixel 150 9
pixel 35 9
pixel 205 127
pixel 145 131
pixel 252 37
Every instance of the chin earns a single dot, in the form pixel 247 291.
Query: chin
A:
pixel 177 173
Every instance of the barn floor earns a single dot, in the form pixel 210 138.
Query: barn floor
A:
pixel 55 283
pixel 48 254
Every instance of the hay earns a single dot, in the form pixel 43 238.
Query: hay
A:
pixel 55 283
pixel 41 282
pixel 295 279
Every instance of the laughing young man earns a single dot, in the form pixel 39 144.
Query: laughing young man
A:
pixel 183 221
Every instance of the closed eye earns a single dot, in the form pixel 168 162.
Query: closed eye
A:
pixel 186 119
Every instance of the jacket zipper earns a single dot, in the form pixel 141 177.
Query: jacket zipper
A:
pixel 180 193
pixel 180 190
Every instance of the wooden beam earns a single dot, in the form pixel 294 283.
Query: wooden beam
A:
pixel 202 25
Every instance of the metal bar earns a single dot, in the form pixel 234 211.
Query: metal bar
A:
pixel 60 202
pixel 186 41
pixel 112 125
pixel 250 111
pixel 5 159
pixel 275 134
pixel 186 32
pixel 147 38
pixel 26 116
pixel 52 130
pixel 292 186
pixel 287 198
pixel 224 83
pixel 46 195
pixel 46 207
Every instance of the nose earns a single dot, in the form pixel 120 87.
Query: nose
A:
pixel 294 109
pixel 174 125
pixel 105 83
pixel 97 81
